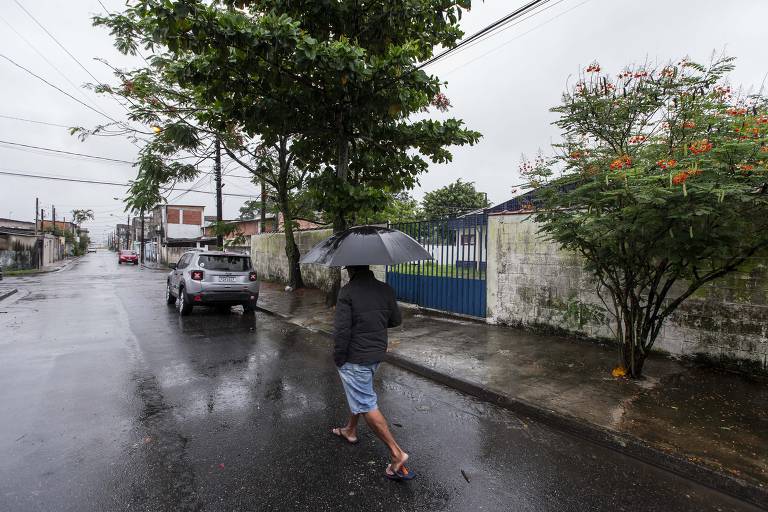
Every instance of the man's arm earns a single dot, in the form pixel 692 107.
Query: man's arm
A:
pixel 342 329
pixel 395 317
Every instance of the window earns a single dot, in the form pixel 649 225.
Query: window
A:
pixel 184 261
pixel 467 239
pixel 225 263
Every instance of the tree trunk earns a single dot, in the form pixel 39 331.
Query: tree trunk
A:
pixel 631 344
pixel 291 249
pixel 339 221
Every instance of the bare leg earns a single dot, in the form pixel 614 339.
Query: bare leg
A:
pixel 378 424
pixel 350 430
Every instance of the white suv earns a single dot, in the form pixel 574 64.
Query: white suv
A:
pixel 212 278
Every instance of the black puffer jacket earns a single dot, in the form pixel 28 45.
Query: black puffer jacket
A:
pixel 365 309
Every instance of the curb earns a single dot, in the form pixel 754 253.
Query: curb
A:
pixel 625 444
pixel 5 295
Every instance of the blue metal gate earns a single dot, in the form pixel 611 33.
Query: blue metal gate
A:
pixel 455 279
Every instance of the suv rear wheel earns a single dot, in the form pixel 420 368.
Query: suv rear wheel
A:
pixel 185 306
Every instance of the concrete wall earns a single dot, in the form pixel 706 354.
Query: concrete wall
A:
pixel 271 263
pixel 531 282
pixel 18 251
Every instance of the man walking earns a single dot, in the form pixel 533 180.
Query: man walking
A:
pixel 365 309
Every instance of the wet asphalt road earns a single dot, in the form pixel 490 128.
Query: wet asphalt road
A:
pixel 110 401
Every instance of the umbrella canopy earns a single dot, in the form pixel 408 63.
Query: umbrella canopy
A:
pixel 366 245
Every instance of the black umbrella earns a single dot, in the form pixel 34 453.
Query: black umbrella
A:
pixel 366 245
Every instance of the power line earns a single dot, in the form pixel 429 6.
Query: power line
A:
pixel 42 55
pixel 100 182
pixel 33 121
pixel 505 43
pixel 66 152
pixel 507 26
pixel 54 39
pixel 76 60
pixel 489 28
pixel 62 91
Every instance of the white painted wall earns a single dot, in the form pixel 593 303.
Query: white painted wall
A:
pixel 183 231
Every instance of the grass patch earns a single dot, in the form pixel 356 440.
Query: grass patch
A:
pixel 437 270
pixel 23 272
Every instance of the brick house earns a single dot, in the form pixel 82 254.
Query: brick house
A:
pixel 175 228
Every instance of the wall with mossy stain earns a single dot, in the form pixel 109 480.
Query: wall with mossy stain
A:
pixel 534 283
pixel 18 252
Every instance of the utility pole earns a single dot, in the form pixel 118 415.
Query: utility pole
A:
pixel 141 249
pixel 128 233
pixel 263 209
pixel 37 213
pixel 219 217
pixel 41 256
pixel 53 210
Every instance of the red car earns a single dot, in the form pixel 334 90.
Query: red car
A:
pixel 127 257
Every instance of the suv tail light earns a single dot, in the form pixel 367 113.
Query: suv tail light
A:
pixel 252 276
pixel 197 275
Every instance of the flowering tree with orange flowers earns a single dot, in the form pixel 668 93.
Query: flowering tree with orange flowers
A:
pixel 660 184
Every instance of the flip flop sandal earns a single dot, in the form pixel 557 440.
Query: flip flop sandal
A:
pixel 337 433
pixel 401 475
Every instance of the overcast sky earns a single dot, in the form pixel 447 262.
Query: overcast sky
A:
pixel 502 87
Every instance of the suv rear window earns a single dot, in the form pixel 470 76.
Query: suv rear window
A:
pixel 225 263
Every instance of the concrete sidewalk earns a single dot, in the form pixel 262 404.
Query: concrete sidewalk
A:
pixel 705 424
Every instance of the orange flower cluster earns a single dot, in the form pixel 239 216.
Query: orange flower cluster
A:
pixel 622 162
pixel 593 68
pixel 736 111
pixel 667 164
pixel 764 149
pixel 746 167
pixel 689 124
pixel 682 176
pixel 668 72
pixel 637 139
pixel 701 146
pixel 762 120
pixel 576 155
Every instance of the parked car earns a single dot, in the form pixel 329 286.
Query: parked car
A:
pixel 91 248
pixel 126 256
pixel 212 278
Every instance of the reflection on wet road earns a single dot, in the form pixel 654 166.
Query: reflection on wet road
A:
pixel 111 401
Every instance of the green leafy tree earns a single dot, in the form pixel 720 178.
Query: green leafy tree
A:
pixel 452 200
pixel 401 207
pixel 333 84
pixel 188 127
pixel 251 209
pixel 661 188
pixel 82 215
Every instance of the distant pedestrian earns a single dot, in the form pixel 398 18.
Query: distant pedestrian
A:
pixel 365 309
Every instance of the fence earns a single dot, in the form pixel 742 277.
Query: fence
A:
pixel 455 279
